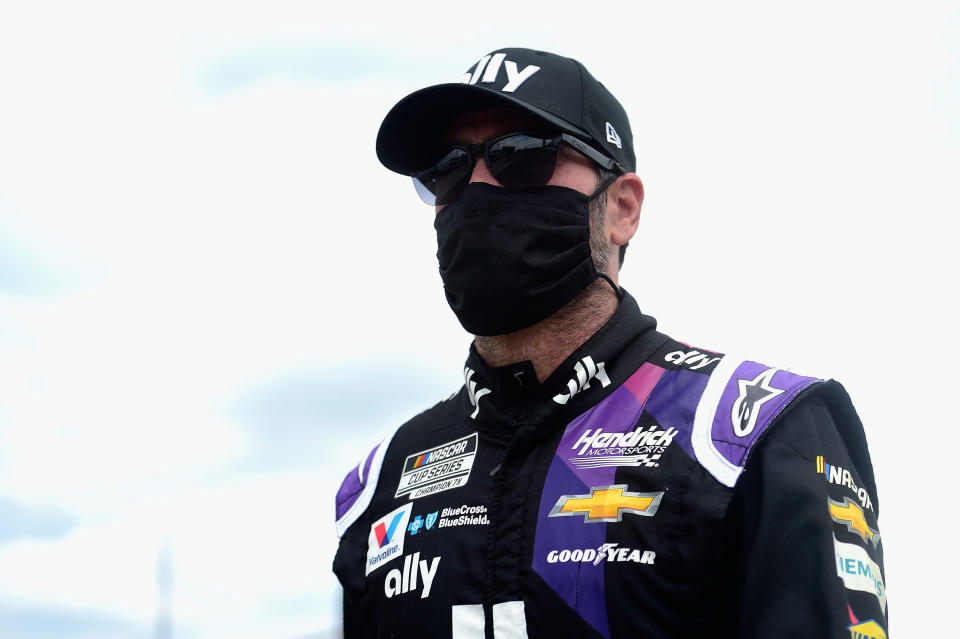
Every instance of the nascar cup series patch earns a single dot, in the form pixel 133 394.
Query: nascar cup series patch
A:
pixel 441 468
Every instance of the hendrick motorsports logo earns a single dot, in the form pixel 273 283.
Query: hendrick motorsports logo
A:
pixel 640 447
pixel 442 468
pixel 606 552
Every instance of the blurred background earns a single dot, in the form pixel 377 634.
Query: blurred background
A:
pixel 214 300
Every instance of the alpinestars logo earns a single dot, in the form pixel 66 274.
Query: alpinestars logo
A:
pixel 613 137
pixel 607 552
pixel 753 395
pixel 637 448
pixel 585 370
pixel 474 393
pixel 490 67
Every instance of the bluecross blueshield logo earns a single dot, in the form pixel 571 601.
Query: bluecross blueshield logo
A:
pixel 432 519
pixel 415 525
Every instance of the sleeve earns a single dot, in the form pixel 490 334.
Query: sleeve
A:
pixel 354 626
pixel 802 535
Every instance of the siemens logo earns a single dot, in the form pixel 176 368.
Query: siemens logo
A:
pixel 859 572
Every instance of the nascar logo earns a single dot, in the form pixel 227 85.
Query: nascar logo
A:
pixel 842 477
pixel 441 468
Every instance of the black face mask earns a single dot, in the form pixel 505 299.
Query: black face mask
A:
pixel 511 258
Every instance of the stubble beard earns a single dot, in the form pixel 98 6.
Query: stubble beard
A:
pixel 550 341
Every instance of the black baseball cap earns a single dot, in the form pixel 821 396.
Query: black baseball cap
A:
pixel 560 91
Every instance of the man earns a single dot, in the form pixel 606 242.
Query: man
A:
pixel 593 477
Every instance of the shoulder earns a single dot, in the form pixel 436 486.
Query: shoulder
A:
pixel 725 403
pixel 360 484
pixel 822 427
pixel 742 400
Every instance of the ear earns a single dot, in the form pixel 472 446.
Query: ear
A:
pixel 624 200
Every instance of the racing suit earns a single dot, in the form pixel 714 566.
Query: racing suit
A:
pixel 644 489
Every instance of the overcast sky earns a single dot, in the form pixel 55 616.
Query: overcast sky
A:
pixel 214 300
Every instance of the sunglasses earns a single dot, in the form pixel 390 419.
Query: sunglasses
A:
pixel 516 160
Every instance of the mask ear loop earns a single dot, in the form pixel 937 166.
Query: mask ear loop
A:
pixel 616 289
pixel 601 189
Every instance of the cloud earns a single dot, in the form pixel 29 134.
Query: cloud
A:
pixel 35 263
pixel 239 65
pixel 43 622
pixel 18 520
pixel 314 415
pixel 22 274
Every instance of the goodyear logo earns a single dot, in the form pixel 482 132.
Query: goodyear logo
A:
pixel 867 630
pixel 607 503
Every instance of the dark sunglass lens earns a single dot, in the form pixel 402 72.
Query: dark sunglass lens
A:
pixel 443 182
pixel 521 161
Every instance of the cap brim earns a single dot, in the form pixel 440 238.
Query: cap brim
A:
pixel 411 137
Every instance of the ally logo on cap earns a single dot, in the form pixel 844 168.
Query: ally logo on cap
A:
pixel 490 67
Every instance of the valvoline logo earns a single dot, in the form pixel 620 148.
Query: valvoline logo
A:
pixel 384 533
pixel 385 542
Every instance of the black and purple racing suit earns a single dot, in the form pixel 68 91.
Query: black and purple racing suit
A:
pixel 645 489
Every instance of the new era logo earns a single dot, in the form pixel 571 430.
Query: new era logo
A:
pixel 613 137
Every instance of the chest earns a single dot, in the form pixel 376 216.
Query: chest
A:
pixel 604 527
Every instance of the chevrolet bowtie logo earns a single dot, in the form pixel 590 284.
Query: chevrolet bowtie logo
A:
pixel 852 515
pixel 607 503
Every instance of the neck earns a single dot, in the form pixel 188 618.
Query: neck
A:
pixel 549 342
